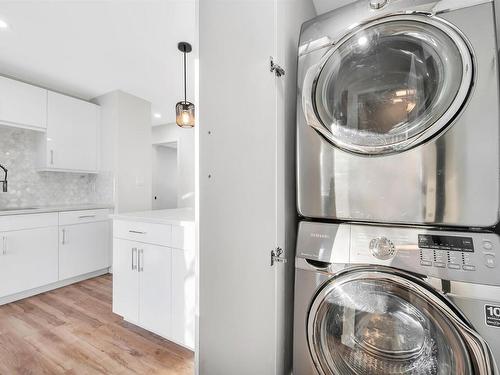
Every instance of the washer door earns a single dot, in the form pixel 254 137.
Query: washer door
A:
pixel 375 320
pixel 390 85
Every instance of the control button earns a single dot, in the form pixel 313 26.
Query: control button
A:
pixel 382 248
pixel 490 261
pixel 425 263
pixel 468 267
pixel 440 264
pixel 487 245
pixel 377 4
pixel 454 266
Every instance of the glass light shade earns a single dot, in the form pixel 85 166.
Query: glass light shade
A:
pixel 184 112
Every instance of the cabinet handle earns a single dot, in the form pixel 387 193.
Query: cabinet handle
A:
pixel 136 232
pixel 52 157
pixel 64 236
pixel 141 263
pixel 86 217
pixel 134 257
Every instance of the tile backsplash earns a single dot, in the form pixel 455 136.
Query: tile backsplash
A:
pixel 29 188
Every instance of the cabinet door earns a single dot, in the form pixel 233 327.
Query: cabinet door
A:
pixel 155 280
pixel 72 133
pixel 183 297
pixel 22 105
pixel 28 259
pixel 126 279
pixel 83 249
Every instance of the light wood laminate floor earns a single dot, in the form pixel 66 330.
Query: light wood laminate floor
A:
pixel 73 331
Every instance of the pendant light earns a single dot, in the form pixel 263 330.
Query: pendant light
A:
pixel 184 110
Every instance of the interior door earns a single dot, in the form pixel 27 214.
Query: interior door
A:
pixel 378 321
pixel 390 85
pixel 237 188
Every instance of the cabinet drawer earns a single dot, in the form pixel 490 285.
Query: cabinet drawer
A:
pixel 157 234
pixel 85 216
pixel 18 222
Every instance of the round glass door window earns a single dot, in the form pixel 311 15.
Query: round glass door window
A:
pixel 392 84
pixel 377 326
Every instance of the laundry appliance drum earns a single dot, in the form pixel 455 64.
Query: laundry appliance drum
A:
pixel 391 85
pixel 369 321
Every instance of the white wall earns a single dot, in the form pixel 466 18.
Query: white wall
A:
pixel 185 163
pixel 164 177
pixel 126 149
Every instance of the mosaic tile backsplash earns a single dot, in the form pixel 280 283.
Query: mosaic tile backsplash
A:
pixel 29 188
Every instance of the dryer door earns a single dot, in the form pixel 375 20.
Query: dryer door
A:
pixel 376 320
pixel 390 85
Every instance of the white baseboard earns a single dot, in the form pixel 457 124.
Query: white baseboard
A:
pixel 46 288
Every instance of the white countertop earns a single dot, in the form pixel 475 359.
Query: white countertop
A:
pixel 177 216
pixel 59 208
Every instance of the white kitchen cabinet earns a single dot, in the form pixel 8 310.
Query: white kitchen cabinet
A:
pixel 28 259
pixel 22 105
pixel 142 284
pixel 83 248
pixel 126 280
pixel 154 283
pixel 72 137
pixel 155 288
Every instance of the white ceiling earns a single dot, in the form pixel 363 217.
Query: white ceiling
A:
pixel 89 48
pixel 323 6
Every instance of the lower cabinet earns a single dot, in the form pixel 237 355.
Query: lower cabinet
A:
pixel 28 259
pixel 142 284
pixel 44 251
pixel 154 284
pixel 83 248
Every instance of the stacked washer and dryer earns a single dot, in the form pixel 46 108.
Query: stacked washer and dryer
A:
pixel 398 173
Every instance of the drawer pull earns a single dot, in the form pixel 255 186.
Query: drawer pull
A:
pixel 136 232
pixel 86 217
pixel 134 258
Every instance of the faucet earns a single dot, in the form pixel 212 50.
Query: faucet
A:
pixel 4 182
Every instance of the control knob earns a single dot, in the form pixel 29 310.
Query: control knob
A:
pixel 377 4
pixel 382 248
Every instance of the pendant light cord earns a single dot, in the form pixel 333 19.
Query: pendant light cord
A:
pixel 185 84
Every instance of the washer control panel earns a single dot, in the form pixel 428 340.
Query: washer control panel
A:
pixel 459 256
pixel 448 255
pixel 451 252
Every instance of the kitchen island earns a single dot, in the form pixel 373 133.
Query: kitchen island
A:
pixel 154 272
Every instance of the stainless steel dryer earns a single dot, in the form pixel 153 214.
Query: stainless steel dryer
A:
pixel 398 113
pixel 385 300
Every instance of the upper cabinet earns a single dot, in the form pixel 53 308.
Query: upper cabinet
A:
pixel 72 135
pixel 22 105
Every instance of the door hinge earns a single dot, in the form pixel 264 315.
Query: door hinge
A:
pixel 276 256
pixel 276 69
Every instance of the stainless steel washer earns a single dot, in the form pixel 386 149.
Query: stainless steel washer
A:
pixel 398 114
pixel 396 300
